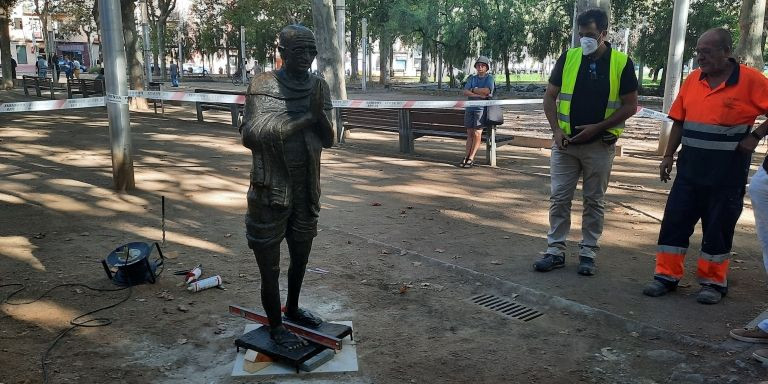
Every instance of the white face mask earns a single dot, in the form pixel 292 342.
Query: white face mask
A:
pixel 588 45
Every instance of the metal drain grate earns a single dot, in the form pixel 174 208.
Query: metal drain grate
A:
pixel 506 307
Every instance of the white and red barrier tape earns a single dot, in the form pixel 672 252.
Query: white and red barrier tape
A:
pixel 49 105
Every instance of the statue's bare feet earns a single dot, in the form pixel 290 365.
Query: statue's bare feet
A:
pixel 286 338
pixel 304 318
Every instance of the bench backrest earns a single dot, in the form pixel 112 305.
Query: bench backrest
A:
pixel 448 120
pixel 373 118
pixel 218 91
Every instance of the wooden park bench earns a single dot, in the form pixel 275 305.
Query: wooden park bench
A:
pixel 235 109
pixel 39 84
pixel 84 87
pixel 157 86
pixel 411 124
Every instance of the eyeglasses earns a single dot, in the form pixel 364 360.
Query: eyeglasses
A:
pixel 593 71
pixel 302 50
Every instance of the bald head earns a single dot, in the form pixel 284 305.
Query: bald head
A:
pixel 297 47
pixel 294 33
pixel 720 37
pixel 713 49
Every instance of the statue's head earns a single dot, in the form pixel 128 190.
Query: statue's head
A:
pixel 297 47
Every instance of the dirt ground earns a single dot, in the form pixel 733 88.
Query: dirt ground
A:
pixel 407 241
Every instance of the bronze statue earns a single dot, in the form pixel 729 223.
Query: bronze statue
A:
pixel 286 126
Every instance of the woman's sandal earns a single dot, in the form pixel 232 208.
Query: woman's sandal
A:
pixel 463 163
pixel 468 163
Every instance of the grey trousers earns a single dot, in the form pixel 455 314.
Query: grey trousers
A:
pixel 593 161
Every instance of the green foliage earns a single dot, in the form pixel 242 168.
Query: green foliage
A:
pixel 77 18
pixel 653 44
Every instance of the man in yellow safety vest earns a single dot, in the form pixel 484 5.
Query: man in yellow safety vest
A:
pixel 591 92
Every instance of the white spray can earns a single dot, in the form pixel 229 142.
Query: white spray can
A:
pixel 193 274
pixel 210 282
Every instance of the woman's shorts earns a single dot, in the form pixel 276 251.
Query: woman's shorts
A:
pixel 473 118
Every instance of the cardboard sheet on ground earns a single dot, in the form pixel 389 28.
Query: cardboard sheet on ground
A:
pixel 344 361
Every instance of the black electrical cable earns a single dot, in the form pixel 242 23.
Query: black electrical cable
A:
pixel 76 322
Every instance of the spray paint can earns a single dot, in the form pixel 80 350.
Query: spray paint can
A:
pixel 210 282
pixel 193 274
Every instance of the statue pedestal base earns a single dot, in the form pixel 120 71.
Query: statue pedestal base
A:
pixel 259 341
pixel 326 336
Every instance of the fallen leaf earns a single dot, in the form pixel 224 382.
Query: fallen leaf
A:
pixel 403 289
pixel 496 262
pixel 384 252
pixel 39 235
pixel 181 341
pixel 738 261
pixel 376 204
pixel 228 235
pixel 416 264
pixel 183 308
pixel 409 207
pixel 506 237
pixel 403 252
pixel 438 250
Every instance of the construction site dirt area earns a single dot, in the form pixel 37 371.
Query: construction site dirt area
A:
pixel 411 249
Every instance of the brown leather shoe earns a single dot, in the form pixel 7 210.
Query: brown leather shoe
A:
pixel 750 335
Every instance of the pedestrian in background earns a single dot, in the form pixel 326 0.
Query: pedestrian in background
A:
pixel 42 67
pixel 713 115
pixel 478 87
pixel 76 68
pixel 597 91
pixel 174 74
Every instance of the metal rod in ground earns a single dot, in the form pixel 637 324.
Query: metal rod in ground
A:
pixel 113 45
pixel 309 334
pixel 243 72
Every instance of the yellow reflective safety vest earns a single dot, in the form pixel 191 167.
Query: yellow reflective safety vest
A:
pixel 571 70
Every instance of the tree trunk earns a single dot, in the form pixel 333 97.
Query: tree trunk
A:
pixel 329 61
pixel 392 60
pixel 354 45
pixel 506 70
pixel 751 22
pixel 135 69
pixel 423 78
pixel 5 49
pixel 156 55
pixel 161 47
pixel 384 48
pixel 656 74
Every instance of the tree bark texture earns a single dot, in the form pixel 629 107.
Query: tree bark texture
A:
pixel 132 56
pixel 751 23
pixel 423 76
pixel 329 60
pixel 5 49
pixel 354 45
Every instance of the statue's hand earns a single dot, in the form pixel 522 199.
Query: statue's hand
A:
pixel 316 104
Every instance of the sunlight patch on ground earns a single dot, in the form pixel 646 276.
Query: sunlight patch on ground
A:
pixel 20 249
pixel 44 313
pixel 10 199
pixel 174 237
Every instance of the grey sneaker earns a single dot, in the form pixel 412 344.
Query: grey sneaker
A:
pixel 709 295
pixel 656 288
pixel 587 266
pixel 549 262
